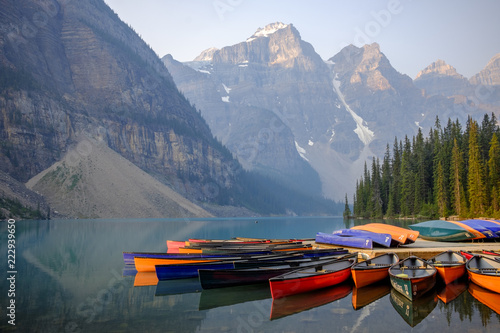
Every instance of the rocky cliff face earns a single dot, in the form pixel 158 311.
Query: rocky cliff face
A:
pixel 72 68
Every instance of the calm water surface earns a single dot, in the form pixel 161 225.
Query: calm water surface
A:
pixel 71 278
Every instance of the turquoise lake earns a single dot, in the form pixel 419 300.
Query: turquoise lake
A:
pixel 70 277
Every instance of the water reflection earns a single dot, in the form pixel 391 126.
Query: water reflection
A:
pixel 486 297
pixel 413 312
pixel 363 296
pixel 71 278
pixel 214 298
pixel 286 306
pixel 449 292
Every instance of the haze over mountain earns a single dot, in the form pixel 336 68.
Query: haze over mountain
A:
pixel 336 113
pixel 74 76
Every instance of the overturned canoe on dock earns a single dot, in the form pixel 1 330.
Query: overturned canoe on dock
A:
pixel 377 238
pixel 358 242
pixel 400 235
pixel 442 231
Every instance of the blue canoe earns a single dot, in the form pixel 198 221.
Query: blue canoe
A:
pixel 184 271
pixel 378 238
pixel 359 242
pixel 494 227
pixel 480 226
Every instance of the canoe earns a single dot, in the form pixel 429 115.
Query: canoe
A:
pixel 185 271
pixel 467 255
pixel 398 234
pixel 485 296
pixel 442 231
pixel 450 265
pixel 220 278
pixel 492 225
pixel 253 248
pixel 480 226
pixel 311 278
pixel 412 277
pixel 377 238
pixel 290 305
pixel 284 260
pixel 316 253
pixel 491 252
pixel 361 297
pixel 358 242
pixel 477 234
pixel 413 312
pixel 128 257
pixel 373 270
pixel 147 264
pixel 190 270
pixel 484 272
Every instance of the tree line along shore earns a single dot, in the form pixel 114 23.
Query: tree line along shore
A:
pixel 454 171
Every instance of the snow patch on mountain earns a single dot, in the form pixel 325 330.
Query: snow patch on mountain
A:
pixel 302 152
pixel 364 133
pixel 267 30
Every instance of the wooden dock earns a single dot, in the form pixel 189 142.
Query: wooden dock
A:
pixel 423 249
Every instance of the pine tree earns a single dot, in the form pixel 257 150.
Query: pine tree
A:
pixel 386 180
pixel 457 190
pixel 347 210
pixel 494 172
pixel 475 179
pixel 441 193
pixel 407 181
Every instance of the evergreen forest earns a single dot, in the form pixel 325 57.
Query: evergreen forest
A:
pixel 455 171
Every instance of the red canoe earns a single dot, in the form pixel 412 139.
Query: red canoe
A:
pixel 311 278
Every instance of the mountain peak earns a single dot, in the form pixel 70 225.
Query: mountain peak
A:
pixel 490 75
pixel 206 55
pixel 268 30
pixel 439 67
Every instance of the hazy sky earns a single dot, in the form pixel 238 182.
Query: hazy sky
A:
pixel 412 34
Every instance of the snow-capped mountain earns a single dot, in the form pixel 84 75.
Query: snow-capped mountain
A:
pixel 283 110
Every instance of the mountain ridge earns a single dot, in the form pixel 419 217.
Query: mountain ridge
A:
pixel 361 102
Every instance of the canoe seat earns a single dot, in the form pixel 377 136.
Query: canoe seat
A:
pixel 496 270
pixel 379 265
pixel 447 262
pixel 413 267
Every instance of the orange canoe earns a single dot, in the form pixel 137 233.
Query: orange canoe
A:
pixel 373 270
pixel 484 272
pixel 398 234
pixel 477 234
pixel 450 265
pixel 143 264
